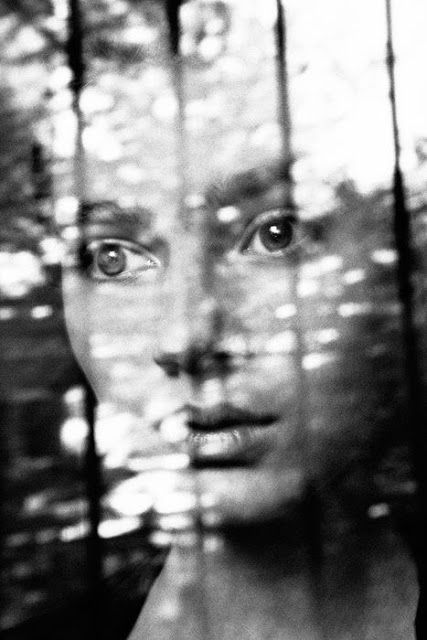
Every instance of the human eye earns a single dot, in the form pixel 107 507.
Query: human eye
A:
pixel 271 234
pixel 116 259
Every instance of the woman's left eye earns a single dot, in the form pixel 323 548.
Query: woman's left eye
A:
pixel 270 234
pixel 117 260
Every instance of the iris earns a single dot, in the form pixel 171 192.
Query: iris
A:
pixel 276 235
pixel 111 260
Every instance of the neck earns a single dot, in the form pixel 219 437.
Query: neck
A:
pixel 263 582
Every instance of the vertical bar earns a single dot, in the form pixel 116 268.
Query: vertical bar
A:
pixel 4 464
pixel 312 515
pixel 414 385
pixel 175 31
pixel 283 94
pixel 172 12
pixel 403 239
pixel 75 52
pixel 93 491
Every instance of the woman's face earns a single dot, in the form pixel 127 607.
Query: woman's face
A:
pixel 189 321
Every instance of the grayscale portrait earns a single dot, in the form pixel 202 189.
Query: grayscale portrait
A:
pixel 237 194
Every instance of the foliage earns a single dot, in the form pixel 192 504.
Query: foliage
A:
pixel 15 149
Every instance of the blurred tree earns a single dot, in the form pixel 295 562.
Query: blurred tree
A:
pixel 113 31
pixel 16 188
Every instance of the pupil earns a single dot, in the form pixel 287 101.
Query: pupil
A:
pixel 111 260
pixel 276 235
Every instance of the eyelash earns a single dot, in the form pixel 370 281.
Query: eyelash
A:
pixel 89 254
pixel 270 218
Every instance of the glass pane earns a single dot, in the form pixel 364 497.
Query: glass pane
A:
pixel 220 193
pixel 244 325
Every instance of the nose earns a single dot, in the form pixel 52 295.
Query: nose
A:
pixel 195 362
pixel 196 351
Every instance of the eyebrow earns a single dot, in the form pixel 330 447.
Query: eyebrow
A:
pixel 245 185
pixel 108 215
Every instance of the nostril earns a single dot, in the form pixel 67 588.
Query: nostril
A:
pixel 222 357
pixel 198 362
pixel 195 362
pixel 170 364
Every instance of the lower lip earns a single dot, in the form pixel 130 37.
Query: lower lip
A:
pixel 241 445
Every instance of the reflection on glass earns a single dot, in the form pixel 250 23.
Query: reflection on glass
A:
pixel 239 353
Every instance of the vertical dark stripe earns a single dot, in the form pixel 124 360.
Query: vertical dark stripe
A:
pixel 390 66
pixel 75 57
pixel 312 508
pixel 283 96
pixel 93 479
pixel 174 25
pixel 92 467
pixel 4 473
pixel 74 47
pixel 413 371
pixel 177 65
pixel 406 262
pixel 172 12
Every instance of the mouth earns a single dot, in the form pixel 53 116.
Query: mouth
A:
pixel 224 416
pixel 226 436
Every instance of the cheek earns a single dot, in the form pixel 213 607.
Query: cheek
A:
pixel 269 383
pixel 112 330
pixel 259 299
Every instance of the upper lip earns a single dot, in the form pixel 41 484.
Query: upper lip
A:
pixel 223 416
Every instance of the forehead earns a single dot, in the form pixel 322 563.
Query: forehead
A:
pixel 227 201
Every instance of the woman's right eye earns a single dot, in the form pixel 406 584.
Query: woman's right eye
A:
pixel 105 260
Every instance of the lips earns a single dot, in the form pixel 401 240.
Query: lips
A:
pixel 224 416
pixel 227 436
